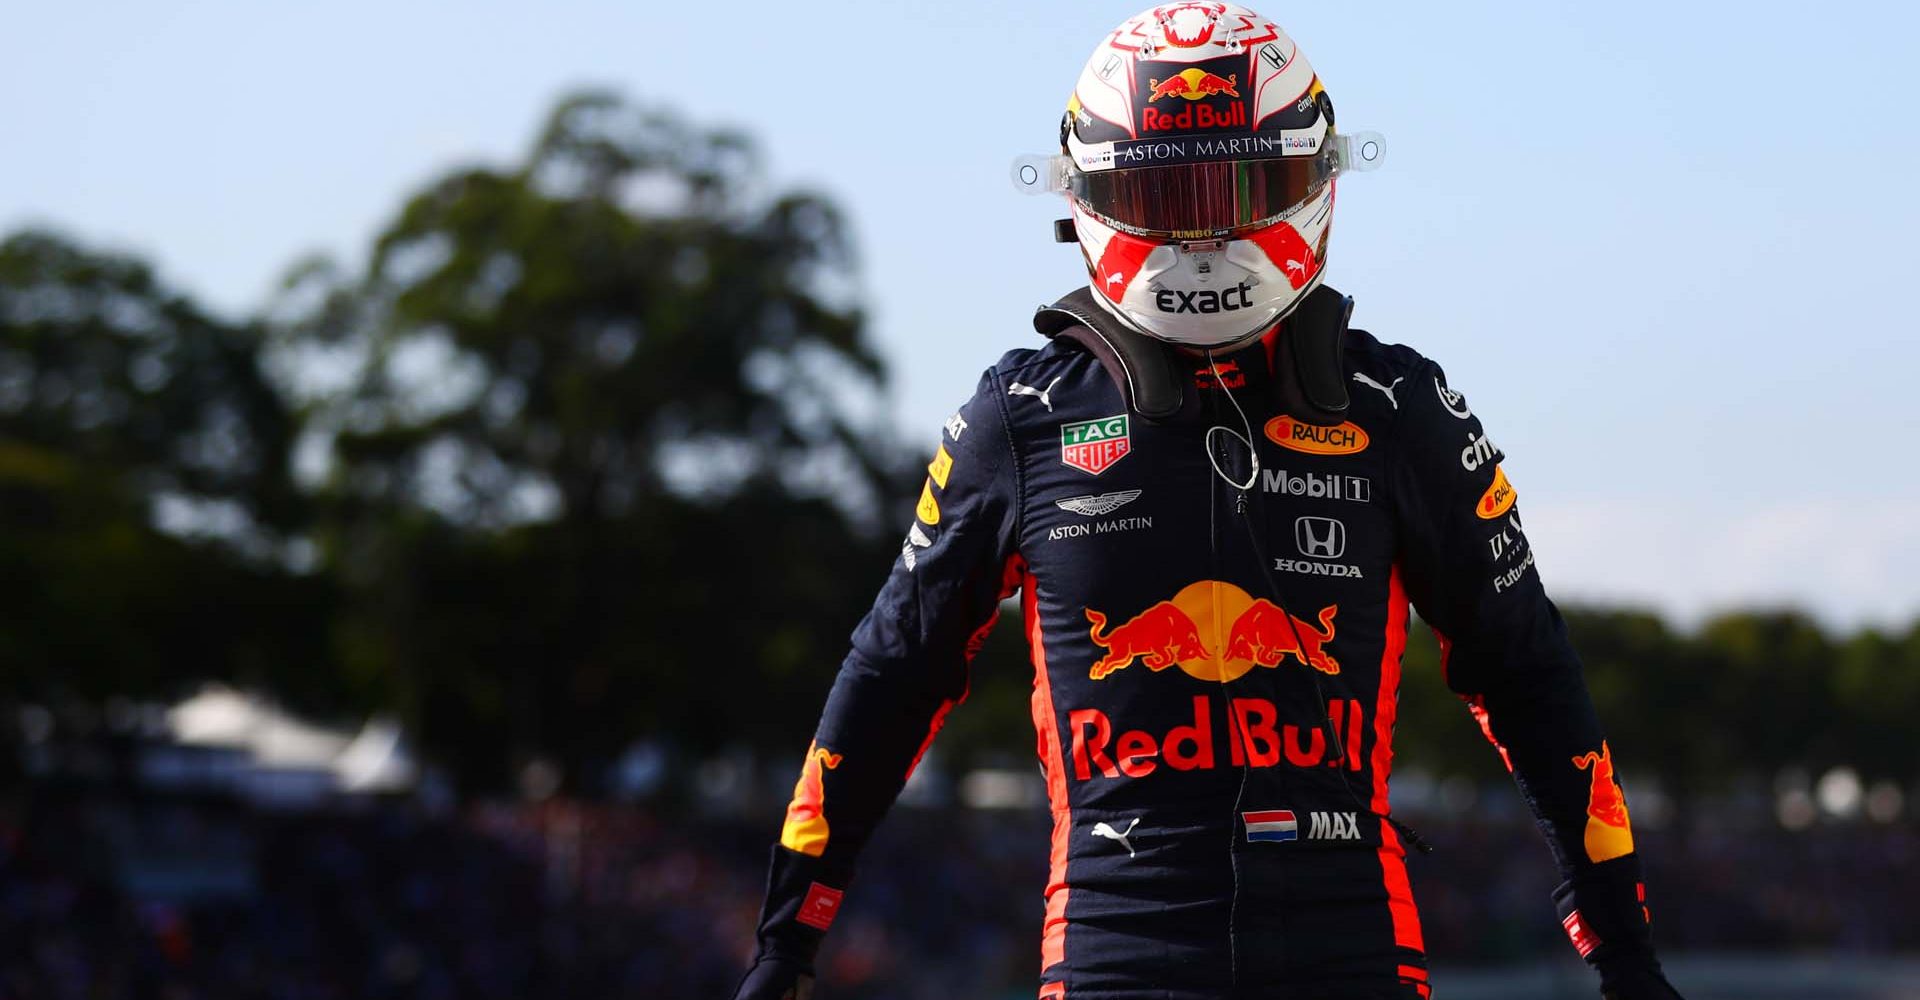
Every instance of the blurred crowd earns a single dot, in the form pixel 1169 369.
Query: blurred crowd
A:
pixel 109 897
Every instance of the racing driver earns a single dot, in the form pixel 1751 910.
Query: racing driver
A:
pixel 1217 504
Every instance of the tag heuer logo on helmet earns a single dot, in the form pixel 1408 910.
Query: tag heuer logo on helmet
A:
pixel 1093 446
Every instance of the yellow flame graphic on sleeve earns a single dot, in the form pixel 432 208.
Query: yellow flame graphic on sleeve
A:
pixel 805 830
pixel 1609 833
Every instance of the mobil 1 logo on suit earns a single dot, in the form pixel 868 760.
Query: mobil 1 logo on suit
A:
pixel 1317 486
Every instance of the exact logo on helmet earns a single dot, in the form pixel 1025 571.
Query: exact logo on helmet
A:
pixel 1204 300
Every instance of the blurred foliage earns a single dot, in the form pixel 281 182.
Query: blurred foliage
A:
pixel 569 464
pixel 593 451
pixel 123 406
pixel 1745 695
pixel 591 475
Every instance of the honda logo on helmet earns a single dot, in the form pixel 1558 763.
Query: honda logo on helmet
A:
pixel 1320 537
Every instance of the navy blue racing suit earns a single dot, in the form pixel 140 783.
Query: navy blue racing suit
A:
pixel 1215 676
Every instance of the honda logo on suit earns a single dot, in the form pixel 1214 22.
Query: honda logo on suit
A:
pixel 1320 537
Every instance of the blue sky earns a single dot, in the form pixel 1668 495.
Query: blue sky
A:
pixel 1664 248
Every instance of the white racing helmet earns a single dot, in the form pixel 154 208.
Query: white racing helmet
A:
pixel 1199 154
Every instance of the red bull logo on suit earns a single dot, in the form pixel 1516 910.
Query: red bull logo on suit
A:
pixel 1213 631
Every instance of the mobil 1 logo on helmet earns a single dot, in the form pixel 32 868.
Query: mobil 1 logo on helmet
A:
pixel 1317 486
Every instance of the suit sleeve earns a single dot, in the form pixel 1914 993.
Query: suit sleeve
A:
pixel 1471 573
pixel 908 667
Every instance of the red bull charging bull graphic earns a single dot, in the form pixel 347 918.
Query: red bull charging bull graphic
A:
pixel 1213 631
pixel 1193 84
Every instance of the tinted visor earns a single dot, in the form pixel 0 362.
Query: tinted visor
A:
pixel 1201 199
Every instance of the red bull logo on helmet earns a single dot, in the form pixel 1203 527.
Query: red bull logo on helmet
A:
pixel 1193 84
pixel 1193 117
pixel 1213 631
pixel 1192 98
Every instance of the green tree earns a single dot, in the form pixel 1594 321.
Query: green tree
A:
pixel 597 475
pixel 125 408
pixel 1876 679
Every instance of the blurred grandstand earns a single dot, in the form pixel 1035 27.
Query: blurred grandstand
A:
pixel 244 875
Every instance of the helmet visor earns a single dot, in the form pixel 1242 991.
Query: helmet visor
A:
pixel 1193 200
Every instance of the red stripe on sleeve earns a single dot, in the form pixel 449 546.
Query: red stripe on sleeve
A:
pixel 1478 706
pixel 1046 726
pixel 1010 577
pixel 1393 866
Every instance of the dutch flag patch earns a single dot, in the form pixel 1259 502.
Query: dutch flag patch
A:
pixel 1273 826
